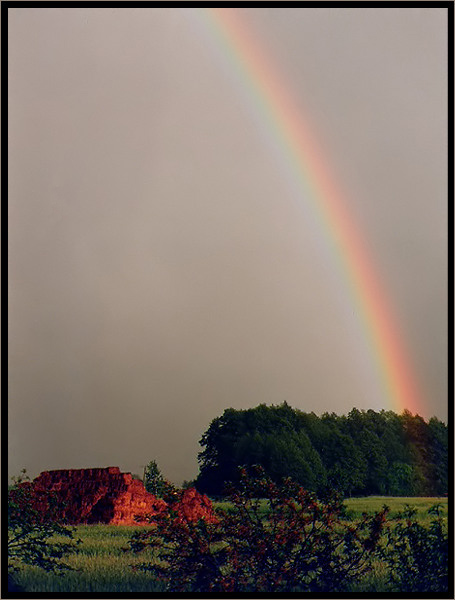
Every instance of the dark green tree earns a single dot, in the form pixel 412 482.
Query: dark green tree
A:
pixel 365 430
pixel 438 456
pixel 343 460
pixel 402 480
pixel 154 481
pixel 267 436
pixel 393 438
pixel 218 461
pixel 291 454
pixel 417 443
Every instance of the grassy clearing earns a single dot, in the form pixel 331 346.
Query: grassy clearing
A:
pixel 370 504
pixel 102 566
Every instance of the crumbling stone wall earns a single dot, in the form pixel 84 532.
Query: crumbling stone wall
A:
pixel 109 496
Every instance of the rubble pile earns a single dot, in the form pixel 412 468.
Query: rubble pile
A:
pixel 105 495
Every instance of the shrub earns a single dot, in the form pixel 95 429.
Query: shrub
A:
pixel 31 532
pixel 417 556
pixel 275 537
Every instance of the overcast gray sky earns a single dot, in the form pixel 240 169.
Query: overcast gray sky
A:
pixel 161 268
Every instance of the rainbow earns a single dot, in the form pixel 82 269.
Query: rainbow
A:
pixel 279 113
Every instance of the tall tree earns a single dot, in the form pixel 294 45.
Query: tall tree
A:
pixel 417 441
pixel 154 481
pixel 267 436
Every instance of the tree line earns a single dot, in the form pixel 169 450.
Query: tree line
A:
pixel 363 453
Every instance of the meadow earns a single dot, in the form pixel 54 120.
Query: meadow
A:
pixel 101 566
pixel 356 506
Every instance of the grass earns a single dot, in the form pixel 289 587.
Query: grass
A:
pixel 370 504
pixel 103 567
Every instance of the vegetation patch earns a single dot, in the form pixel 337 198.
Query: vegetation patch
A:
pixel 281 538
pixel 102 566
pixel 351 504
pixel 365 453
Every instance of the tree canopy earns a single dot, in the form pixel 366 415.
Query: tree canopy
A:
pixel 362 453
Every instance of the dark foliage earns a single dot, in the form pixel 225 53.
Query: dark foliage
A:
pixel 31 532
pixel 275 538
pixel 417 556
pixel 154 481
pixel 363 453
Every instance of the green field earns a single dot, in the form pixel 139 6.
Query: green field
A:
pixel 102 565
pixel 370 504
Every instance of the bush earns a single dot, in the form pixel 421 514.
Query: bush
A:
pixel 418 556
pixel 31 532
pixel 275 537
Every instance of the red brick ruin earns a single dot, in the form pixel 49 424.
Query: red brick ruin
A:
pixel 86 496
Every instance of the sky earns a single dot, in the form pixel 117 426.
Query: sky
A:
pixel 164 265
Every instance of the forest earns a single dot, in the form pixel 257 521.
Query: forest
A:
pixel 359 454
